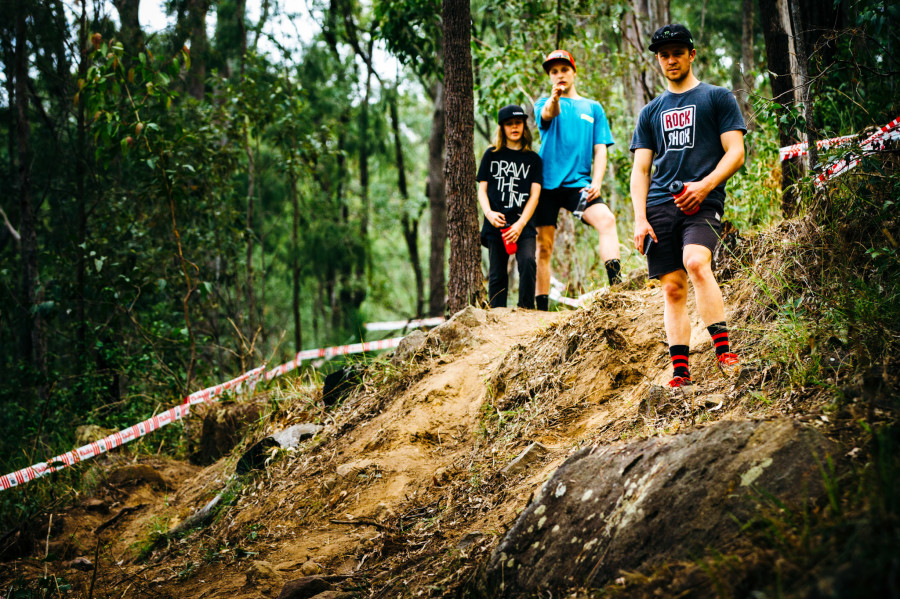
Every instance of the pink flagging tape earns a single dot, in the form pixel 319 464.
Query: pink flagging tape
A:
pixel 179 412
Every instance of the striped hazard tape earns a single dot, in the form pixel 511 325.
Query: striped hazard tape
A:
pixel 876 142
pixel 247 380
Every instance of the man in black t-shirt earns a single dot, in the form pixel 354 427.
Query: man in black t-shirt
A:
pixel 693 134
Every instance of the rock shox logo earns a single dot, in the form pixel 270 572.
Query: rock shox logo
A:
pixel 678 127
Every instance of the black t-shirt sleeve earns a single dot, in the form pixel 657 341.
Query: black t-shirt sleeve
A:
pixel 643 135
pixel 728 113
pixel 538 169
pixel 484 169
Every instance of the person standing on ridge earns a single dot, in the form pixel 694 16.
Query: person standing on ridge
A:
pixel 574 139
pixel 509 184
pixel 692 137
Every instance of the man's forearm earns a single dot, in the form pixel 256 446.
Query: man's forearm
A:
pixel 728 166
pixel 599 169
pixel 640 187
pixel 550 110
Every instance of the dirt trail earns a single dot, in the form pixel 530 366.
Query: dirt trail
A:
pixel 403 486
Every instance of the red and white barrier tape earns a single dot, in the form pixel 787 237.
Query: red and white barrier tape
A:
pixel 395 325
pixel 126 435
pixel 876 142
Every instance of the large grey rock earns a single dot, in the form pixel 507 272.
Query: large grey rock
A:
pixel 470 317
pixel 255 457
pixel 628 506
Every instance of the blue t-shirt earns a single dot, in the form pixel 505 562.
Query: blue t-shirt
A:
pixel 567 141
pixel 684 130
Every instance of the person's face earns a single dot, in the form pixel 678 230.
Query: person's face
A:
pixel 675 61
pixel 561 73
pixel 513 128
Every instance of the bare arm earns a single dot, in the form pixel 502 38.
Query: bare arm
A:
pixel 598 171
pixel 696 191
pixel 640 187
pixel 495 218
pixel 550 109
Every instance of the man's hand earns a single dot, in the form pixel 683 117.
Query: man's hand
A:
pixel 694 194
pixel 496 218
pixel 513 233
pixel 642 228
pixel 556 92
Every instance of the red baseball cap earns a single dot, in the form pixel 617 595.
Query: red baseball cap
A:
pixel 558 55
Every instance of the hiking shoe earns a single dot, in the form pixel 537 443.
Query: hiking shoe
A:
pixel 729 365
pixel 680 382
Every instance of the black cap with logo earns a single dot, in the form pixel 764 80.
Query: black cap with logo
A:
pixel 508 112
pixel 671 34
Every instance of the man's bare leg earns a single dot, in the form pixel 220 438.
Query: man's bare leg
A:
pixel 602 219
pixel 711 306
pixel 546 235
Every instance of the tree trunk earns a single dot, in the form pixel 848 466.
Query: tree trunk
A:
pixel 31 340
pixel 251 190
pixel 804 84
pixel 437 291
pixel 747 63
pixel 295 254
pixel 410 224
pixel 130 31
pixel 197 10
pixel 779 53
pixel 81 199
pixel 466 284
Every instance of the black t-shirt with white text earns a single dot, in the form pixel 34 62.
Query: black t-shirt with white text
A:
pixel 684 131
pixel 509 175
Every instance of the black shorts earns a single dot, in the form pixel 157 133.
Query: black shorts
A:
pixel 551 200
pixel 674 230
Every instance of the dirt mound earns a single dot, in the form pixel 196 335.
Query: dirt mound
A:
pixel 403 491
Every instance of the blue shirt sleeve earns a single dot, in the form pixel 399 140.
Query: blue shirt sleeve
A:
pixel 602 133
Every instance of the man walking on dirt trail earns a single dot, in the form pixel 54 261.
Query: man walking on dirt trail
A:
pixel 693 136
pixel 574 137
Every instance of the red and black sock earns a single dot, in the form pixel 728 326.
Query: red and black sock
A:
pixel 719 334
pixel 679 355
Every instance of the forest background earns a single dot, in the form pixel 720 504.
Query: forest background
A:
pixel 184 204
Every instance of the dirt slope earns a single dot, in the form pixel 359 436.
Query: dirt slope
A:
pixel 402 492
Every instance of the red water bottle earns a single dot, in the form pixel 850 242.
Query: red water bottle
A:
pixel 676 188
pixel 510 247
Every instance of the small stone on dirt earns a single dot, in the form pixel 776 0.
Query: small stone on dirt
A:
pixel 309 568
pixel 470 317
pixel 304 588
pixel 94 504
pixel 80 563
pixel 532 454
pixel 469 539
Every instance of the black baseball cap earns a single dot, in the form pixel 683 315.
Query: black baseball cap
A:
pixel 671 34
pixel 509 112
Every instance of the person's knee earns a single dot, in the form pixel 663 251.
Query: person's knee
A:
pixel 698 265
pixel 544 248
pixel 674 291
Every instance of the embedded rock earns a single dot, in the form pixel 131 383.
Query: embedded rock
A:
pixel 304 588
pixel 136 474
pixel 291 437
pixel 409 345
pixel 88 433
pixel 630 505
pixel 532 454
pixel 223 428
pixel 470 317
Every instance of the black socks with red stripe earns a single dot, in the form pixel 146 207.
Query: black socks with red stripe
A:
pixel 719 334
pixel 679 355
pixel 613 271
